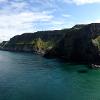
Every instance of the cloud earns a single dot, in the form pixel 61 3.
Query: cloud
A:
pixel 82 2
pixel 66 15
pixel 45 2
pixel 18 5
pixel 20 16
pixel 3 1
pixel 21 22
pixel 15 19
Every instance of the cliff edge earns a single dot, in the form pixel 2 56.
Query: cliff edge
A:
pixel 81 43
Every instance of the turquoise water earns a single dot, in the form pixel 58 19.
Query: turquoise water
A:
pixel 24 76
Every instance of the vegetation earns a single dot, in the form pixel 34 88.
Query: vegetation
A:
pixel 96 42
pixel 43 45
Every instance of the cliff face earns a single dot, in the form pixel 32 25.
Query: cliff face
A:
pixel 80 44
pixel 33 42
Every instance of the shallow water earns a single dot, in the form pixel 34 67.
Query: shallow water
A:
pixel 25 76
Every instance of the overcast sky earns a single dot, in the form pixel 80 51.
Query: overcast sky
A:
pixel 20 16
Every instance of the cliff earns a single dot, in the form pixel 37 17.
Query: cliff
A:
pixel 37 42
pixel 81 43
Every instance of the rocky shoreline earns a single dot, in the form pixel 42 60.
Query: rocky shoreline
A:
pixel 80 43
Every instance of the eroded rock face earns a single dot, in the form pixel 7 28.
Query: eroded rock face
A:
pixel 37 42
pixel 77 45
pixel 80 43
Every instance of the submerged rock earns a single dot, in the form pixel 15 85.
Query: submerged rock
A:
pixel 82 71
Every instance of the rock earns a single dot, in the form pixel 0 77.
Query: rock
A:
pixel 80 43
pixel 82 71
pixel 37 42
pixel 95 66
pixel 77 44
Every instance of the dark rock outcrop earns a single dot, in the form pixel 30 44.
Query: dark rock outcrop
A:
pixel 80 43
pixel 37 42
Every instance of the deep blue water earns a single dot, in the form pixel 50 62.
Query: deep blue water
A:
pixel 25 76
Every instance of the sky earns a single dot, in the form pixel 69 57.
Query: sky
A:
pixel 22 16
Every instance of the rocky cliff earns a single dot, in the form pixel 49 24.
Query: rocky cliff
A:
pixel 80 43
pixel 37 42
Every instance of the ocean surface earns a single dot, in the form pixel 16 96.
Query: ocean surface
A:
pixel 26 76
